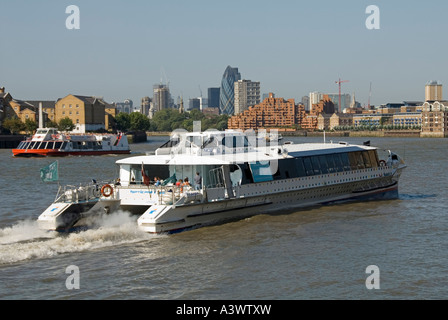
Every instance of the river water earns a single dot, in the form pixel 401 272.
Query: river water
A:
pixel 317 253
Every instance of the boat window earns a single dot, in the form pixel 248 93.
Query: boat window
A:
pixel 247 174
pixel 324 166
pixel 345 161
pixel 33 144
pixel 215 178
pixel 366 158
pixel 43 145
pixel 353 161
pixel 373 158
pixel 331 163
pixel 26 145
pixel 20 146
pixel 64 144
pixel 338 163
pixel 289 167
pixel 359 160
pixel 236 175
pixel 316 165
pixel 301 171
pixel 151 171
pixel 308 166
pixel 261 171
pixel 235 142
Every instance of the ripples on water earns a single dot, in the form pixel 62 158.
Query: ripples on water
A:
pixel 317 253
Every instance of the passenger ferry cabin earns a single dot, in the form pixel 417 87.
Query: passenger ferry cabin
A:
pixel 51 142
pixel 241 179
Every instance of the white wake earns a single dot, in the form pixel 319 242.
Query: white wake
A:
pixel 25 240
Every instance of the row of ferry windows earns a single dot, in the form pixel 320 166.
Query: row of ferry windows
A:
pixel 59 145
pixel 42 145
pixel 323 164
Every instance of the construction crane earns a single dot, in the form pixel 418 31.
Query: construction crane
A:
pixel 340 82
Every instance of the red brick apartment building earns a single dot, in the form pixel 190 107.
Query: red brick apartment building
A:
pixel 271 113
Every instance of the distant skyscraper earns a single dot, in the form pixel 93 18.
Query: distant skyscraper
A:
pixel 267 95
pixel 345 101
pixel 213 97
pixel 194 103
pixel 226 98
pixel 145 105
pixel 433 91
pixel 127 106
pixel 316 97
pixel 162 97
pixel 247 93
pixel 306 102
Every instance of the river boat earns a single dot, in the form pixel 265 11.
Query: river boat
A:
pixel 239 178
pixel 50 142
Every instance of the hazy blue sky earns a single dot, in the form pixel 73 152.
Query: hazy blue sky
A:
pixel 292 47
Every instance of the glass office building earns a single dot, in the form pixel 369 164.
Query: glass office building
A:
pixel 226 95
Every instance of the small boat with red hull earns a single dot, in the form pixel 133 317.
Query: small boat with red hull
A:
pixel 50 142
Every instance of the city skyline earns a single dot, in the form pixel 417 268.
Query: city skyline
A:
pixel 123 49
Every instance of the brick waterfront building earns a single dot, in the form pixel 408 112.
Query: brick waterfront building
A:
pixel 269 114
pixel 324 108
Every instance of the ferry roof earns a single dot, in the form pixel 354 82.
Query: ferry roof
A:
pixel 259 154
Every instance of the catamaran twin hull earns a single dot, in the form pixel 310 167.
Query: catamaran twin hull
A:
pixel 259 198
pixel 284 199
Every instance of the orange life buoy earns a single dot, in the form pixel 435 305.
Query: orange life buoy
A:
pixel 107 190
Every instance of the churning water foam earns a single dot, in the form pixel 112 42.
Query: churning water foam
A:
pixel 25 240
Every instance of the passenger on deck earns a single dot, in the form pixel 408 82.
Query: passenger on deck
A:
pixel 156 181
pixel 186 183
pixel 197 181
pixel 179 183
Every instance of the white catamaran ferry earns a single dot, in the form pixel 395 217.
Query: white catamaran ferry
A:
pixel 230 177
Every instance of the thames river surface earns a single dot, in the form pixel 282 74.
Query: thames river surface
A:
pixel 317 253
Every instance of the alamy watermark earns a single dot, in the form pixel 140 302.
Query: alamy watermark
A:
pixel 74 279
pixel 373 280
pixel 373 20
pixel 73 21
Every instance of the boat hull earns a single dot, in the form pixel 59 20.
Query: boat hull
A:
pixel 172 219
pixel 58 153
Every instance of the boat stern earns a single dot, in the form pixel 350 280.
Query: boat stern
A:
pixel 155 220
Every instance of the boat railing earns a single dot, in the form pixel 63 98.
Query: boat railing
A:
pixel 81 193
pixel 168 194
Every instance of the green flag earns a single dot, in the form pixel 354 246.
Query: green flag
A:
pixel 50 173
pixel 171 179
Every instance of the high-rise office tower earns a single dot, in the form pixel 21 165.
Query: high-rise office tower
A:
pixel 226 95
pixel 162 97
pixel 213 97
pixel 247 93
pixel 433 91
